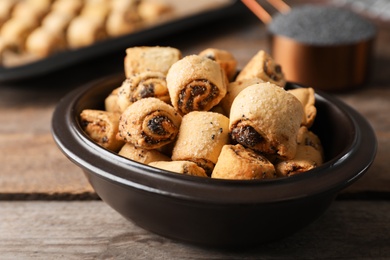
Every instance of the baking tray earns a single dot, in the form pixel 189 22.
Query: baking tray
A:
pixel 211 11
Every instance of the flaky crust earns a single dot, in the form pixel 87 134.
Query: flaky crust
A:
pixel 142 155
pixel 201 137
pixel 307 98
pixel 224 58
pixel 183 167
pixel 145 58
pixel 102 127
pixel 196 83
pixel 266 118
pixel 239 163
pixel 263 66
pixel 149 123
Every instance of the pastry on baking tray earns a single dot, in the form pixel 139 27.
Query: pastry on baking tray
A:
pixel 149 123
pixel 224 58
pixel 307 98
pixel 102 127
pixel 183 167
pixel 83 31
pixel 266 118
pixel 263 66
pixel 196 83
pixel 201 137
pixel 145 58
pixel 309 155
pixel 141 155
pixel 43 42
pixel 239 163
pixel 142 85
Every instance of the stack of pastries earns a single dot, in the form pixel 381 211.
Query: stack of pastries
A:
pixel 197 115
pixel 33 29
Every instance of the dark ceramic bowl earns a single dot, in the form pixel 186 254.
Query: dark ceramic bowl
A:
pixel 217 212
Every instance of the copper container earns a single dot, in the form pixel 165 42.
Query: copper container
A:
pixel 330 67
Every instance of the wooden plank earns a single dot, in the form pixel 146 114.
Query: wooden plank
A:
pixel 92 230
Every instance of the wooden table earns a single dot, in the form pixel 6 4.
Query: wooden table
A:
pixel 48 209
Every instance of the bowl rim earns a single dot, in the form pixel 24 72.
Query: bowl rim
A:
pixel 94 159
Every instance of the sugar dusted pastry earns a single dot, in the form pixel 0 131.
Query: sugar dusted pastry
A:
pixel 239 163
pixel 196 83
pixel 309 155
pixel 183 167
pixel 149 123
pixel 263 66
pixel 83 31
pixel 201 137
pixel 233 88
pixel 266 118
pixel 145 58
pixel 141 155
pixel 42 42
pixel 307 98
pixel 224 58
pixel 142 85
pixel 102 127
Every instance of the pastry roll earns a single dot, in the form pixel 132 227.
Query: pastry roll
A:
pixel 102 127
pixel 224 58
pixel 150 11
pixel 239 163
pixel 69 7
pixel 6 7
pixel 56 22
pixel 266 118
pixel 32 10
pixel 83 31
pixel 111 102
pixel 149 123
pixel 196 83
pixel 201 137
pixel 262 66
pixel 141 155
pixel 233 88
pixel 122 22
pixel 42 42
pixel 183 167
pixel 142 85
pixel 309 155
pixel 144 58
pixel 14 32
pixel 307 98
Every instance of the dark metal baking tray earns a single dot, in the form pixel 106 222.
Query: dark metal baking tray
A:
pixel 70 57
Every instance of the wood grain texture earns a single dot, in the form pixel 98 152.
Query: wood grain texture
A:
pixel 92 230
pixel 32 167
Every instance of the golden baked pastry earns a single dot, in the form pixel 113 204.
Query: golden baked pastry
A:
pixel 201 137
pixel 309 155
pixel 142 85
pixel 183 167
pixel 239 163
pixel 263 66
pixel 224 58
pixel 307 98
pixel 145 58
pixel 233 88
pixel 149 123
pixel 102 127
pixel 141 155
pixel 266 118
pixel 195 83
